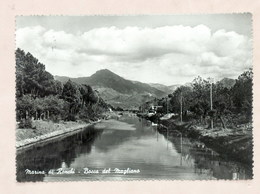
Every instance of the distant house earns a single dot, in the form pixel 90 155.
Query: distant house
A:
pixel 149 107
pixel 155 108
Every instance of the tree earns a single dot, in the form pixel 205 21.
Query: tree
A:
pixel 71 94
pixel 32 78
pixel 51 107
pixel 88 95
pixel 20 83
pixel 25 107
pixel 242 93
pixel 181 97
pixel 38 95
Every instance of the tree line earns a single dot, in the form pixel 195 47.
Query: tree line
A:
pixel 40 96
pixel 231 105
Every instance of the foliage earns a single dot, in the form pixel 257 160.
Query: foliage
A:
pixel 71 95
pixel 25 106
pixel 25 123
pixel 230 101
pixel 88 96
pixel 242 93
pixel 39 96
pixel 32 78
pixel 181 96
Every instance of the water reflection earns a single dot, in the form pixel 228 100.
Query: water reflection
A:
pixel 54 155
pixel 207 161
pixel 157 155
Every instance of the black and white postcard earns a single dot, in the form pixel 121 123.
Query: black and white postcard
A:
pixel 134 97
pixel 130 96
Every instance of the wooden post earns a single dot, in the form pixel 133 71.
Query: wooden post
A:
pixel 181 148
pixel 166 105
pixel 181 107
pixel 167 137
pixel 211 103
pixel 157 132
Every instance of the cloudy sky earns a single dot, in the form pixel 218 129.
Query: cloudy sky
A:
pixel 169 49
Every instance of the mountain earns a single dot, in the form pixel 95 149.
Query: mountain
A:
pixel 162 87
pixel 64 79
pixel 228 82
pixel 174 87
pixel 108 79
pixel 116 90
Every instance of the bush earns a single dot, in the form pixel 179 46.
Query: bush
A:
pixel 71 117
pixel 212 113
pixel 25 123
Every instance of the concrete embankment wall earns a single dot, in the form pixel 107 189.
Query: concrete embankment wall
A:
pixel 51 136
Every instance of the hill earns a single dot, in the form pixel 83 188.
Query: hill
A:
pixel 228 82
pixel 116 90
pixel 164 88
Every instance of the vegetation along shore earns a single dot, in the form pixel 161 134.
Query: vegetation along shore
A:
pixel 46 108
pixel 217 114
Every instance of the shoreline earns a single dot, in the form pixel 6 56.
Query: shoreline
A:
pixel 24 142
pixel 237 146
pixel 44 138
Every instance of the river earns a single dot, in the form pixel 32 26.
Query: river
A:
pixel 129 148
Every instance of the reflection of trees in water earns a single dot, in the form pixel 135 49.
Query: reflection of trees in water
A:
pixel 113 139
pixel 220 168
pixel 117 137
pixel 205 160
pixel 140 123
pixel 52 155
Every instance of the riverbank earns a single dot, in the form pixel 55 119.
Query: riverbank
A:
pixel 154 154
pixel 43 131
pixel 236 144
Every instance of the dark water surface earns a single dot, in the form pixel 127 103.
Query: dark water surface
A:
pixel 135 153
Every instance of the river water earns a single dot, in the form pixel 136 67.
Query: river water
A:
pixel 129 148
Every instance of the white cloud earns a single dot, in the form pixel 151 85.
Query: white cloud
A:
pixel 169 54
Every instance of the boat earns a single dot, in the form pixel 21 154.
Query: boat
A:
pixel 154 124
pixel 185 125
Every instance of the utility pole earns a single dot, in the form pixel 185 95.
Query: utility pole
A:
pixel 181 107
pixel 211 106
pixel 211 103
pixel 166 105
